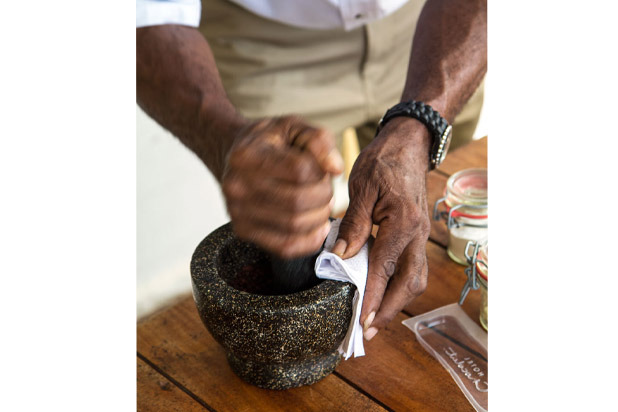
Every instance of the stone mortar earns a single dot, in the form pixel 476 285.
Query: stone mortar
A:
pixel 271 341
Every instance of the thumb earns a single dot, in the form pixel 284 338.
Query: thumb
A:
pixel 355 227
pixel 321 144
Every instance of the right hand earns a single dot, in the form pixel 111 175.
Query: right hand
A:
pixel 277 185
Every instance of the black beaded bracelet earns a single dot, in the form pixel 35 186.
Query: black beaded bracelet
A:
pixel 438 127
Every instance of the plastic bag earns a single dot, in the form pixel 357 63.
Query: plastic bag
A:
pixel 460 345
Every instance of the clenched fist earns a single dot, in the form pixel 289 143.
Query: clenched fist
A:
pixel 277 185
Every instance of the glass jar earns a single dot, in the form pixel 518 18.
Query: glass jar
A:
pixel 477 273
pixel 466 204
pixel 482 269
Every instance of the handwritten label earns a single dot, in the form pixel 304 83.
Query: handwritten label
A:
pixel 469 369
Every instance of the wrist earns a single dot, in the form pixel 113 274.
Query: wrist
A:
pixel 437 127
pixel 411 136
pixel 218 128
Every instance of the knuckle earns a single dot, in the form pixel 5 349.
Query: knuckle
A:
pixel 418 216
pixel 236 158
pixel 411 213
pixel 414 214
pixel 233 188
pixel 416 285
pixel 388 267
pixel 385 269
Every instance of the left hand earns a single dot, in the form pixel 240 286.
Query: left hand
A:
pixel 387 188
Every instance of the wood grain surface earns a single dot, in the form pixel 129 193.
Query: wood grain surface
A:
pixel 397 371
pixel 156 393
pixel 179 344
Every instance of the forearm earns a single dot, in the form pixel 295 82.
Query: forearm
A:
pixel 179 86
pixel 449 55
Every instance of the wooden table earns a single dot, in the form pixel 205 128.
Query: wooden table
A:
pixel 181 368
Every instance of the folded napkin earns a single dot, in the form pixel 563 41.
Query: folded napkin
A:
pixel 354 270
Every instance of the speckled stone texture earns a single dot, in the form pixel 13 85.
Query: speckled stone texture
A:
pixel 272 341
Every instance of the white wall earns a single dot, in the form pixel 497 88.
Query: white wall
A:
pixel 178 204
pixel 482 128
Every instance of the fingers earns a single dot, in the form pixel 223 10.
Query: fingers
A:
pixel 390 243
pixel 266 160
pixel 408 282
pixel 255 193
pixel 277 185
pixel 285 244
pixel 292 132
pixel 321 144
pixel 282 219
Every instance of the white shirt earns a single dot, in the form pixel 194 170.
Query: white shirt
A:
pixel 311 14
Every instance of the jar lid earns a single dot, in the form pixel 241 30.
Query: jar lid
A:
pixel 468 188
pixel 482 261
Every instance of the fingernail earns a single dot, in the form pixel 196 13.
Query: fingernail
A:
pixel 335 160
pixel 370 333
pixel 339 248
pixel 368 321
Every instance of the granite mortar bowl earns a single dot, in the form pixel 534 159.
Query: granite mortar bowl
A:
pixel 271 341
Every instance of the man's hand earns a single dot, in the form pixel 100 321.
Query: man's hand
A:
pixel 387 184
pixel 277 185
pixel 387 188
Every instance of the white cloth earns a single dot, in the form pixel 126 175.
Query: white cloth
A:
pixel 313 14
pixel 354 270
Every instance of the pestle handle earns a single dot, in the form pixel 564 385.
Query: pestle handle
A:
pixel 294 275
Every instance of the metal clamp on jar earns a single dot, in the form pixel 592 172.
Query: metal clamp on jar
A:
pixel 466 204
pixel 477 272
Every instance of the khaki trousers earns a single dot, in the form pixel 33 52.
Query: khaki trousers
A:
pixel 333 78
